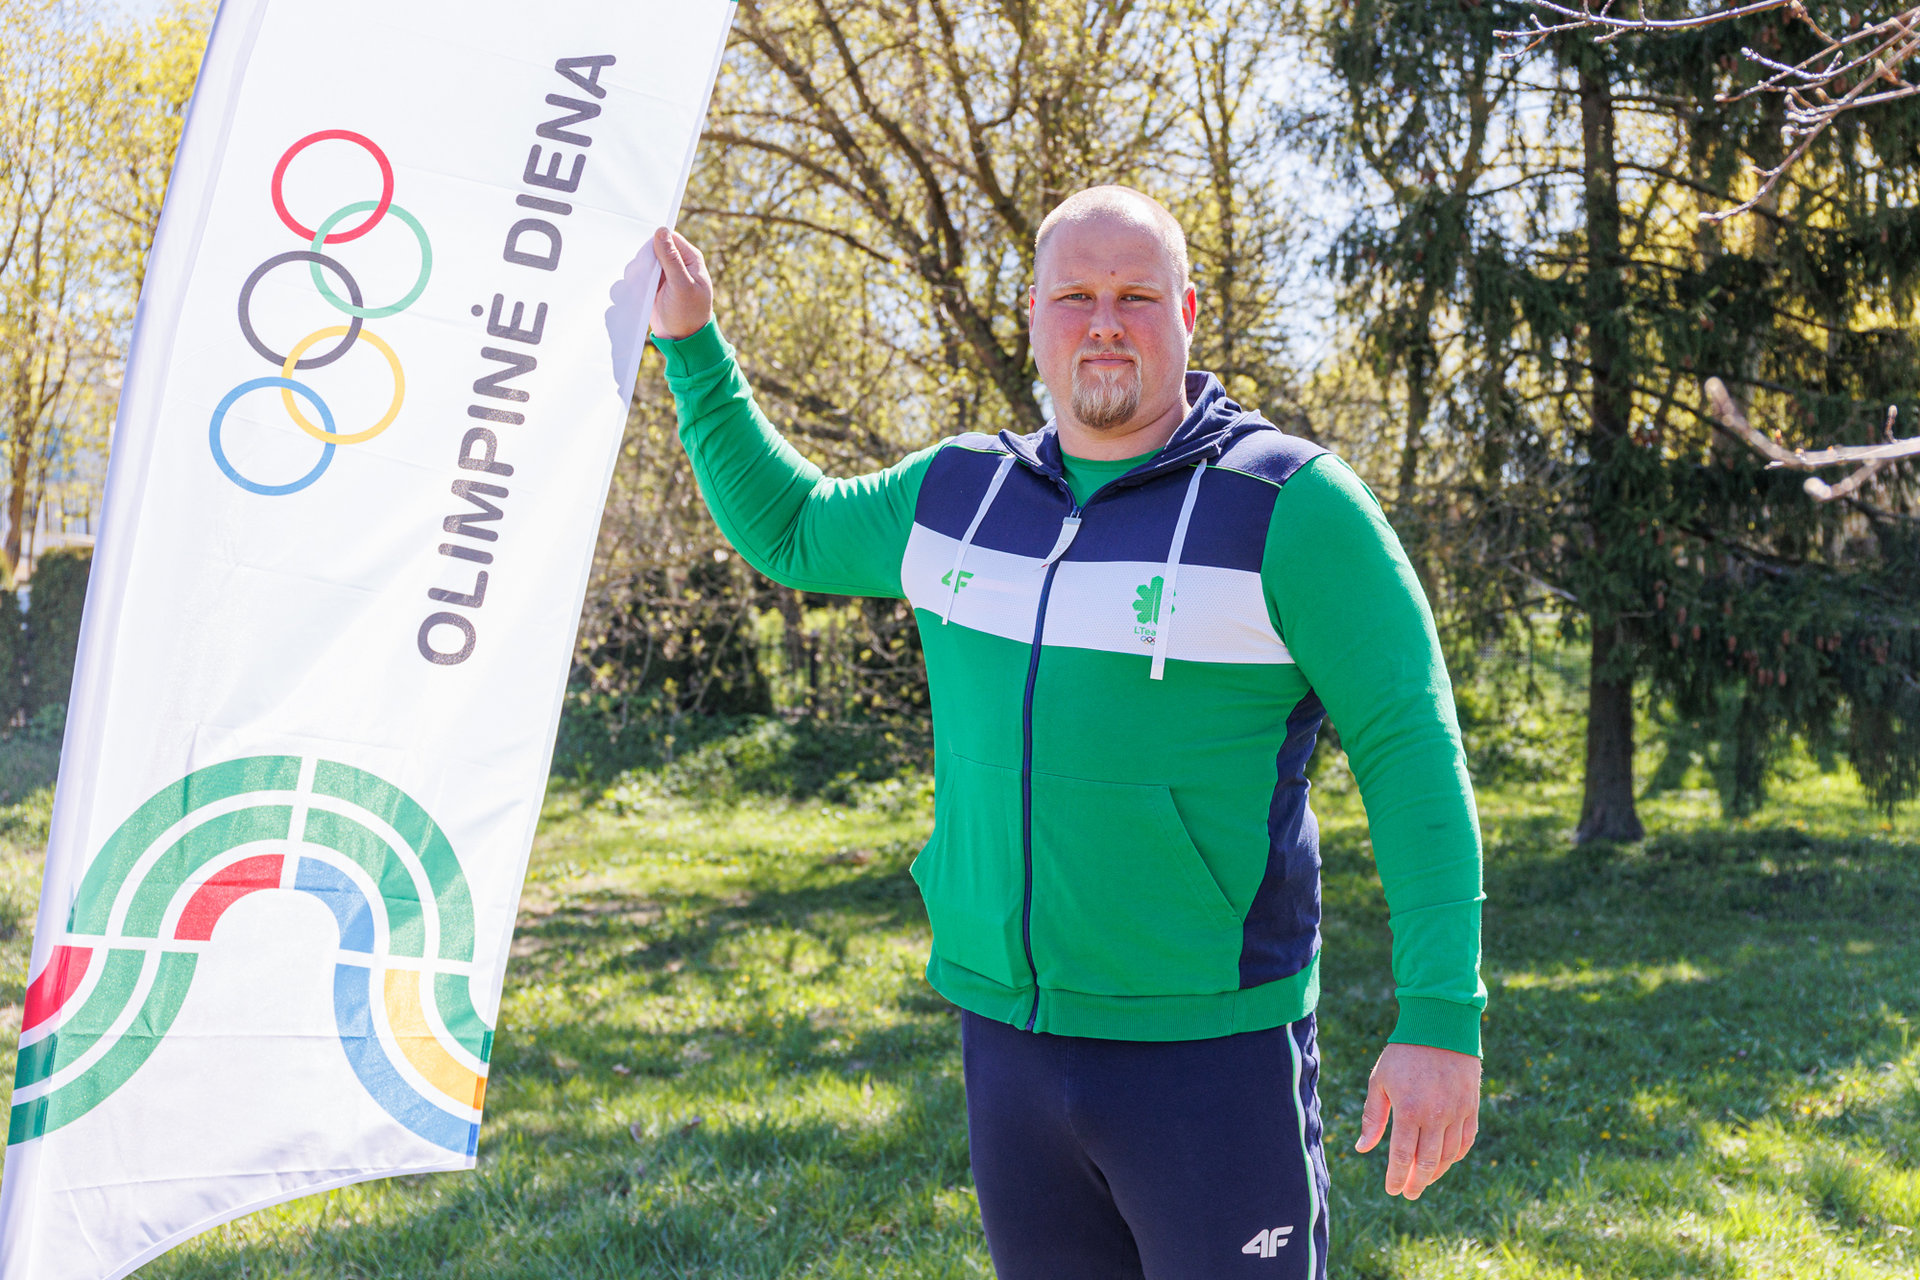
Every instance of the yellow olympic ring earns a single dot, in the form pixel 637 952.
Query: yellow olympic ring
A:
pixel 331 437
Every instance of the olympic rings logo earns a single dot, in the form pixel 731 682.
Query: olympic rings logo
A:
pixel 344 336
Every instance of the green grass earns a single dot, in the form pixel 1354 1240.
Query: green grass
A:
pixel 717 1058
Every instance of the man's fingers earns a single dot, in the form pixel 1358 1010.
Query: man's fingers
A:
pixel 1452 1145
pixel 1432 1095
pixel 1401 1151
pixel 1428 1144
pixel 1373 1120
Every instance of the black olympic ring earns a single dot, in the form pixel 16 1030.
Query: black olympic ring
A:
pixel 300 255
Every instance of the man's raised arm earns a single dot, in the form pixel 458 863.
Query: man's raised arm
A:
pixel 797 526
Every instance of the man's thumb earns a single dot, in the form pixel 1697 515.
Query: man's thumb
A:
pixel 1373 1120
pixel 673 265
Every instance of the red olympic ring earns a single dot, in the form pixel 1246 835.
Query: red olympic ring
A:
pixel 345 135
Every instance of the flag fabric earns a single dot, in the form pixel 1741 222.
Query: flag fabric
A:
pixel 378 384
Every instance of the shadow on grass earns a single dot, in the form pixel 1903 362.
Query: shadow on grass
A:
pixel 1650 1008
pixel 1690 1043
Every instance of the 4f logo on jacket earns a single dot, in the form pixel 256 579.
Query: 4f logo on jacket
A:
pixel 1269 1242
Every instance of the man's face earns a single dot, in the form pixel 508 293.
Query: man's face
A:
pixel 1111 322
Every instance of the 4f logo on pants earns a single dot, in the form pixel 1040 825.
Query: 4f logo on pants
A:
pixel 1269 1242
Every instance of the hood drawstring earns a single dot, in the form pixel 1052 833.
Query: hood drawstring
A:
pixel 1068 527
pixel 1172 574
pixel 960 555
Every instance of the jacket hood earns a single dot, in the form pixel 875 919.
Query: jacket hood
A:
pixel 1210 425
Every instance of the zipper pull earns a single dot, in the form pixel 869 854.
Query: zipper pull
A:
pixel 1068 527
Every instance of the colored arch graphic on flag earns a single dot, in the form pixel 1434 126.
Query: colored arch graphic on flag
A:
pixel 153 896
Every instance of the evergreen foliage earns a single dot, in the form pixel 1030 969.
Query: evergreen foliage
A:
pixel 1534 272
pixel 53 625
pixel 13 659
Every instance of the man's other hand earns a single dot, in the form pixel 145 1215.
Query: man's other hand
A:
pixel 684 303
pixel 1434 1098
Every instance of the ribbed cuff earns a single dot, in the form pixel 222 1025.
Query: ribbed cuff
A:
pixel 1439 1023
pixel 696 353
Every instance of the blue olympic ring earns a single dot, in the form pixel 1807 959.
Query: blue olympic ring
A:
pixel 268 384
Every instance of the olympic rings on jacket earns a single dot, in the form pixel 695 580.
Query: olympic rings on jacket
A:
pixel 354 307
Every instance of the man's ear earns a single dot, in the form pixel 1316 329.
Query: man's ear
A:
pixel 1190 309
pixel 1033 294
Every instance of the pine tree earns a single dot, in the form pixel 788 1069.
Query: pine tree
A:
pixel 1586 304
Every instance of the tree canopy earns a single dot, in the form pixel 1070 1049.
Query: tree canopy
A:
pixel 1527 307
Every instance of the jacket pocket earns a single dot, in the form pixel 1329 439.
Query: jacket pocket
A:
pixel 1123 903
pixel 972 873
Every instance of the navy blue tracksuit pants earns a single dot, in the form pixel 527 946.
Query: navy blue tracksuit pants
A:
pixel 1147 1160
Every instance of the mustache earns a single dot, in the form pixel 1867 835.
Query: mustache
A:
pixel 1097 352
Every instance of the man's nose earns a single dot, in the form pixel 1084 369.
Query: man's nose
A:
pixel 1105 324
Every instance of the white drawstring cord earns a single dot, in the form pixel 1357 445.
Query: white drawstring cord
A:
pixel 1173 572
pixel 960 555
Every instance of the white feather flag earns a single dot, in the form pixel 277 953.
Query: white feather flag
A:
pixel 377 387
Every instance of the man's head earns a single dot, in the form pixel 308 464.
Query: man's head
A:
pixel 1112 313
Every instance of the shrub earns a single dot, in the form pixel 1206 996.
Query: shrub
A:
pixel 53 625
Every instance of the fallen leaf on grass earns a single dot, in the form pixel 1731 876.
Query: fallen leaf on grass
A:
pixel 622 1069
pixel 849 858
pixel 692 1124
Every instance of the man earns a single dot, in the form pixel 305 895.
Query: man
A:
pixel 1134 622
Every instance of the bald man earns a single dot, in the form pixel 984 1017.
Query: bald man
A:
pixel 1135 621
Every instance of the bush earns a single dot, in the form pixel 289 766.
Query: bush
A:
pixel 768 755
pixel 53 625
pixel 13 660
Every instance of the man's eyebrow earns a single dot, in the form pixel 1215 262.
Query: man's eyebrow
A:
pixel 1126 285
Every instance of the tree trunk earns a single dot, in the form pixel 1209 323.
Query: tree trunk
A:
pixel 24 439
pixel 1606 809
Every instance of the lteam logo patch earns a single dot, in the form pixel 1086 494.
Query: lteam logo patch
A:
pixel 1148 605
pixel 370 213
pixel 151 901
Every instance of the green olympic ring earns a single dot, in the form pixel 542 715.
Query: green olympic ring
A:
pixel 373 313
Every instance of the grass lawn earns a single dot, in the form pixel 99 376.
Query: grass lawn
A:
pixel 717 1058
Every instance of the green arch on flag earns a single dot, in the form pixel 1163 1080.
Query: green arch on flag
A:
pixel 115 862
pixel 401 895
pixel 129 1053
pixel 400 811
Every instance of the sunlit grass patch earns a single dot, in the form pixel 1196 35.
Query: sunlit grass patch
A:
pixel 717 1056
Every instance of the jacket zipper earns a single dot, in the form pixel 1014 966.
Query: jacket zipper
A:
pixel 1026 710
pixel 1026 765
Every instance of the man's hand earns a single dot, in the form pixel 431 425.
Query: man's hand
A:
pixel 1434 1097
pixel 684 303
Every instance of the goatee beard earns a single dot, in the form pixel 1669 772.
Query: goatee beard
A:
pixel 1102 402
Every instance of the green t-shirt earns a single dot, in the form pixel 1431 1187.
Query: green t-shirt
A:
pixel 1084 475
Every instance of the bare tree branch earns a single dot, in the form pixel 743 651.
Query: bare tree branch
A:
pixel 1869 459
pixel 1846 73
